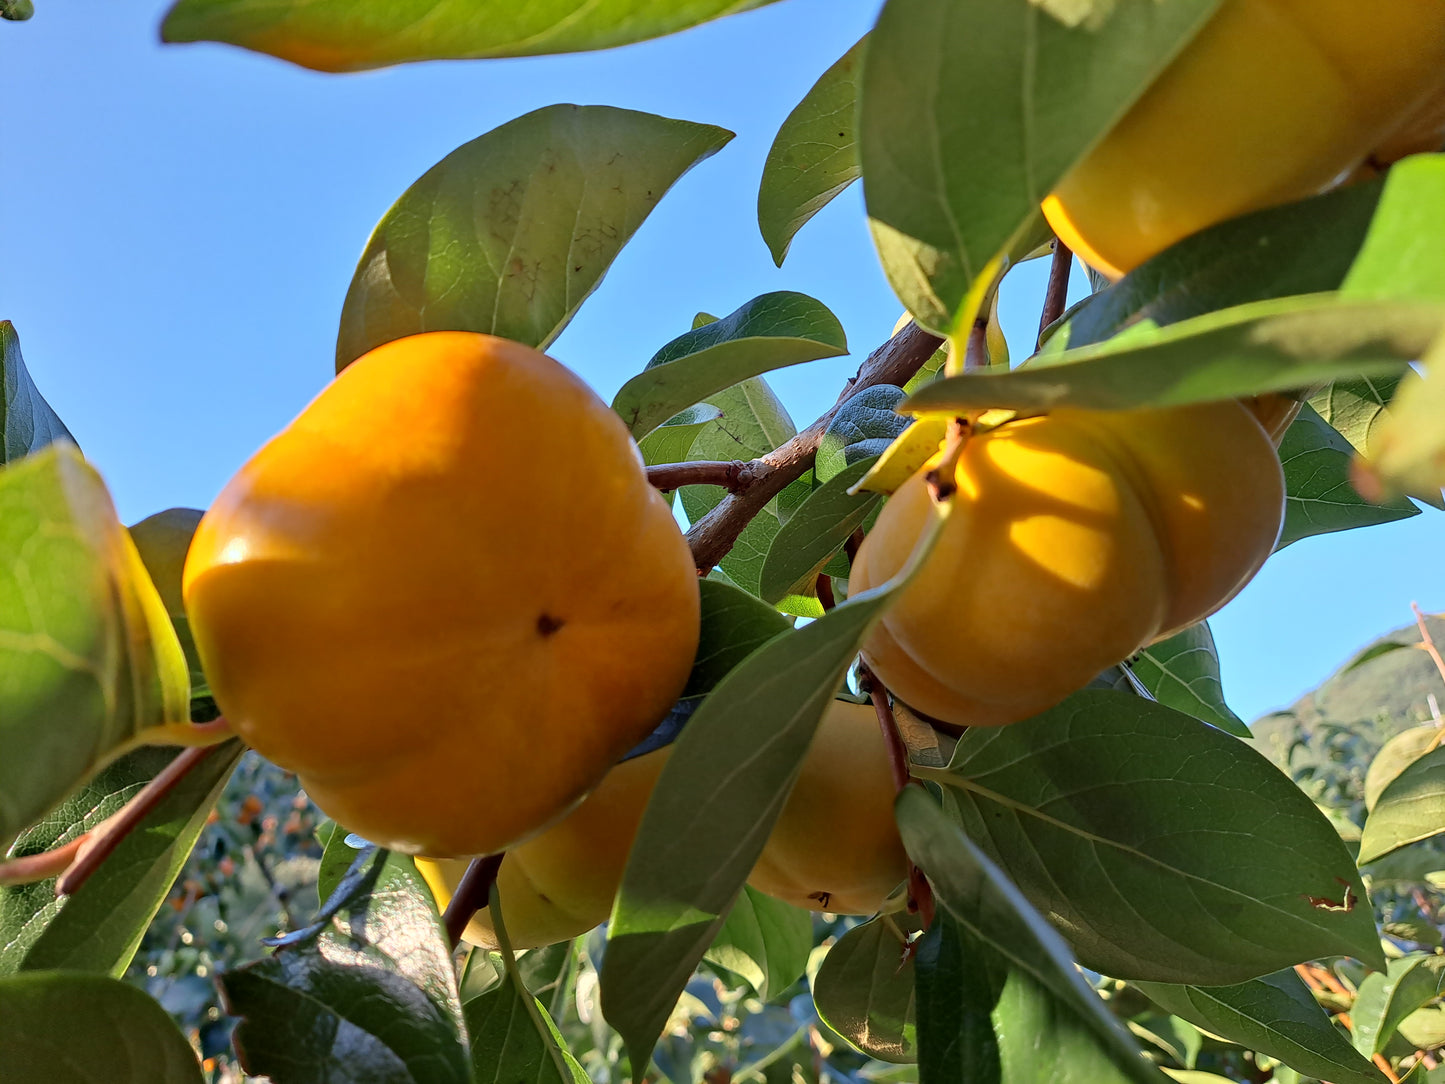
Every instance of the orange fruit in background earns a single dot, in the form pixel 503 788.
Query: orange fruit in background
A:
pixel 445 595
pixel 1273 101
pixel 1076 539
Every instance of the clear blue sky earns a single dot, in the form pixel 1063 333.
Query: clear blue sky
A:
pixel 179 225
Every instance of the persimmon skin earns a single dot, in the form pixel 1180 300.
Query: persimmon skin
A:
pixel 451 557
pixel 1076 539
pixel 561 883
pixel 835 846
pixel 1273 101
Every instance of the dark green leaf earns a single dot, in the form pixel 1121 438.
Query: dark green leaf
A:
pixel 769 332
pixel 971 113
pixel 1264 346
pixel 765 942
pixel 712 811
pixel 1214 847
pixel 162 541
pixel 815 532
pixel 99 927
pixel 864 989
pixel 16 10
pixel 89 658
pixel 1385 999
pixel 70 1028
pixel 368 994
pixel 1319 496
pixel 813 156
pixel 27 423
pixel 1409 809
pixel 348 35
pixel 511 232
pixel 1274 1014
pixel 1182 672
pixel 993 977
pixel 734 625
pixel 864 426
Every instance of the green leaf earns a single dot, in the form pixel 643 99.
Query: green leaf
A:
pixel 1354 408
pixel 816 531
pixel 1401 258
pixel 1299 248
pixel 369 993
pixel 864 426
pixel 27 423
pixel 713 808
pixel 865 992
pixel 1409 451
pixel 339 849
pixel 670 441
pixel 768 332
pixel 753 423
pixel 1399 752
pixel 89 658
pixel 1409 809
pixel 1182 672
pixel 99 927
pixel 734 625
pixel 993 976
pixel 350 35
pixel 1385 999
pixel 71 1028
pixel 16 10
pixel 1274 1014
pixel 813 156
pixel 1319 496
pixel 162 541
pixel 1265 346
pixel 765 942
pixel 971 113
pixel 511 232
pixel 1213 846
pixel 514 1039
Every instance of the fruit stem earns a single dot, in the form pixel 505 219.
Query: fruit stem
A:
pixel 471 895
pixel 894 362
pixel 1056 297
pixel 920 893
pixel 39 867
pixel 105 837
pixel 733 476
pixel 825 591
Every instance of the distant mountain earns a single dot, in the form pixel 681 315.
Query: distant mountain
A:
pixel 1330 734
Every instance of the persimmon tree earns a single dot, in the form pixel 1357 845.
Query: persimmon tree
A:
pixel 1114 888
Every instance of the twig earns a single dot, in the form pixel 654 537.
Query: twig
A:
pixel 40 867
pixel 669 476
pixel 920 892
pixel 975 354
pixel 1056 297
pixel 1427 641
pixel 892 363
pixel 1384 1067
pixel 892 737
pixel 471 895
pixel 107 836
pixel 851 547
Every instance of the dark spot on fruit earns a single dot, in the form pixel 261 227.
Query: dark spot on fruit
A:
pixel 822 897
pixel 547 624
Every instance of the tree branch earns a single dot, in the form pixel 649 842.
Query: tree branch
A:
pixel 892 363
pixel 1056 298
pixel 106 836
pixel 471 895
pixel 1427 641
pixel 669 476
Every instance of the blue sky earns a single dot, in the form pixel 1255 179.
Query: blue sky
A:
pixel 179 225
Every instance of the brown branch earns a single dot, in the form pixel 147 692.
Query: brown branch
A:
pixel 1427 641
pixel 106 837
pixel 40 867
pixel 975 354
pixel 853 545
pixel 669 476
pixel 1056 297
pixel 892 363
pixel 471 895
pixel 920 892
